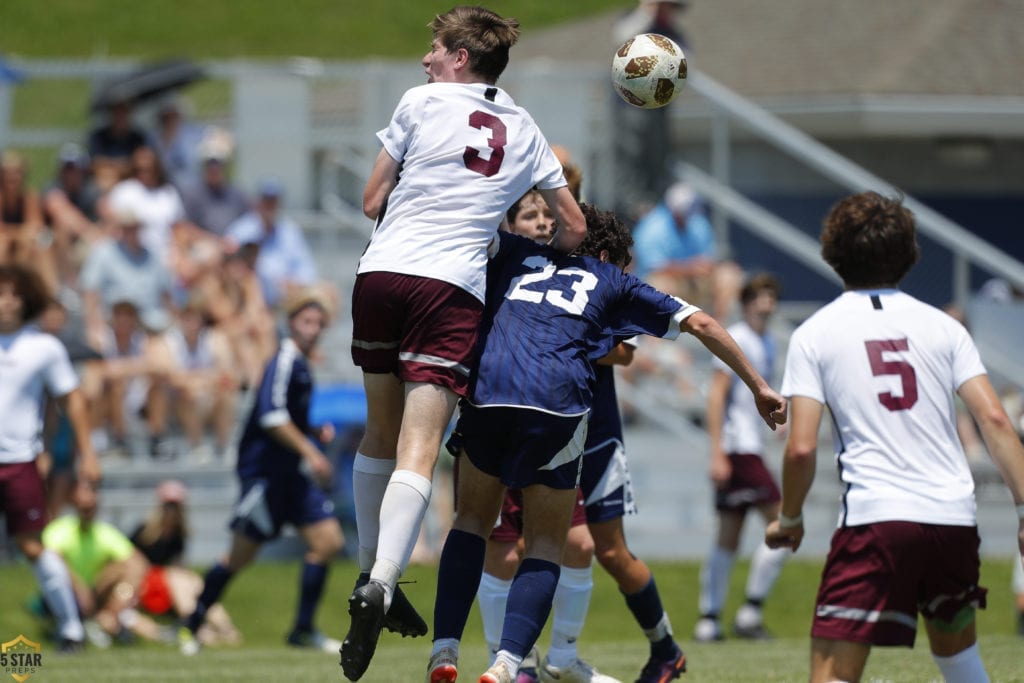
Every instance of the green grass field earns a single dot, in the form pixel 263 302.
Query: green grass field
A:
pixel 261 602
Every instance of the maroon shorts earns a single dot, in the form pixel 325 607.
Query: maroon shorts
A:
pixel 510 523
pixel 879 576
pixel 750 485
pixel 22 498
pixel 420 329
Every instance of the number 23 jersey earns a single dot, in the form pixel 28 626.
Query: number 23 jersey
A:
pixel 467 152
pixel 887 365
pixel 548 317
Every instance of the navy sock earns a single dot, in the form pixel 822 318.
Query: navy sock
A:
pixel 458 577
pixel 529 603
pixel 213 586
pixel 310 588
pixel 648 611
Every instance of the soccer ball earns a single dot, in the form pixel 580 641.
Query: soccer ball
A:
pixel 648 70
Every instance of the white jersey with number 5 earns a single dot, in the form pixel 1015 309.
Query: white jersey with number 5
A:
pixel 467 153
pixel 887 366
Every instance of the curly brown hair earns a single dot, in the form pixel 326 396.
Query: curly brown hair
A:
pixel 484 34
pixel 605 232
pixel 869 240
pixel 29 286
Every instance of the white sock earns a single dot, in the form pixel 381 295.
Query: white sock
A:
pixel 442 643
pixel 963 667
pixel 55 582
pixel 569 611
pixel 492 597
pixel 661 629
pixel 401 514
pixel 1018 575
pixel 511 661
pixel 370 478
pixel 765 566
pixel 714 580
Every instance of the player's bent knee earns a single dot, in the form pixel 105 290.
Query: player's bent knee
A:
pixel 957 623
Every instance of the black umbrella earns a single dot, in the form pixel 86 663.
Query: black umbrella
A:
pixel 147 82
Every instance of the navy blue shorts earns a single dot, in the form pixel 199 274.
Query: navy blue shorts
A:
pixel 607 488
pixel 522 447
pixel 265 505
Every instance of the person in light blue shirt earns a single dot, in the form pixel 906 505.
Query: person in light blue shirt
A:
pixel 674 250
pixel 285 261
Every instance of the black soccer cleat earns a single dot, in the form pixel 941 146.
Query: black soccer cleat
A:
pixel 366 608
pixel 402 618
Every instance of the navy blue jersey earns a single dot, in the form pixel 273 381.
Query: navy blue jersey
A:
pixel 605 423
pixel 549 316
pixel 284 394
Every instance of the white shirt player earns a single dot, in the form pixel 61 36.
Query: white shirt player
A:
pixel 743 431
pixel 30 361
pixel 467 153
pixel 887 365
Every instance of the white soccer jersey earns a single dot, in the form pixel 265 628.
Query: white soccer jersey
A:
pixel 467 153
pixel 30 361
pixel 887 366
pixel 744 430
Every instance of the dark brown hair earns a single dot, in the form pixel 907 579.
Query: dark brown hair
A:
pixel 757 283
pixel 482 33
pixel 869 240
pixel 605 232
pixel 29 286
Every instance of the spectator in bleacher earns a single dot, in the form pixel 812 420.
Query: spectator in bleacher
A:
pixel 70 208
pixel 169 587
pixel 674 250
pixel 150 196
pixel 124 269
pixel 126 382
pixel 235 304
pixel 112 143
pixel 214 202
pixel 176 141
pixel 21 220
pixel 106 570
pixel 199 365
pixel 285 262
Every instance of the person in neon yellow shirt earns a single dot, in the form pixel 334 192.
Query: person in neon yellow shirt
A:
pixel 105 567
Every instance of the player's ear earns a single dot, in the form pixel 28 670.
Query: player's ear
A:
pixel 603 255
pixel 462 58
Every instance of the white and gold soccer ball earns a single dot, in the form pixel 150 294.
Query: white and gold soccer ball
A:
pixel 648 70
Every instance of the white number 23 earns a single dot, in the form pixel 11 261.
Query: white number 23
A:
pixel 583 283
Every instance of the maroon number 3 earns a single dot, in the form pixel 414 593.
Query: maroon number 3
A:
pixel 880 366
pixel 471 157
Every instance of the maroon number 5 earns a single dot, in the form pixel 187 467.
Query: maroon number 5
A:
pixel 880 366
pixel 471 157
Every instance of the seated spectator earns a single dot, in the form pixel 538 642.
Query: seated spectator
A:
pixel 285 263
pixel 674 250
pixel 21 220
pixel 150 196
pixel 235 304
pixel 200 372
pixel 176 141
pixel 214 202
pixel 127 381
pixel 112 143
pixel 106 570
pixel 123 269
pixel 70 208
pixel 169 588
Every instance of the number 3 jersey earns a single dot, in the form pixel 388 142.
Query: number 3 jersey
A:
pixel 467 153
pixel 548 317
pixel 887 366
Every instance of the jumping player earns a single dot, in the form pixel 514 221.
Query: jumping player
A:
pixel 738 472
pixel 548 318
pixel 456 154
pixel 887 365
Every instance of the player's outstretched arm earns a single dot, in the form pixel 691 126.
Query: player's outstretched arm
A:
pixel 571 225
pixel 74 406
pixel 382 181
pixel 798 466
pixel 717 339
pixel 292 438
pixel 1000 438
